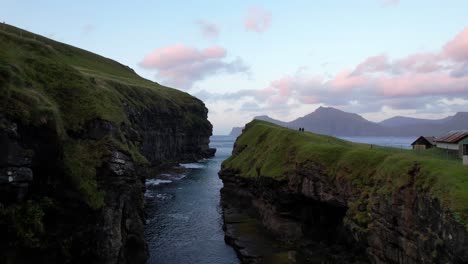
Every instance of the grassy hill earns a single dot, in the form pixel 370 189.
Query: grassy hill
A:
pixel 268 150
pixel 52 84
pixel 42 77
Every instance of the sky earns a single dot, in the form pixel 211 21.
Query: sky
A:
pixel 377 58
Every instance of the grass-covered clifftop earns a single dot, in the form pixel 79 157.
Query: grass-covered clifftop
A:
pixel 268 150
pixel 42 78
pixel 45 83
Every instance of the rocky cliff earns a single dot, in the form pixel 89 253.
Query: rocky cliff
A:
pixel 326 200
pixel 79 134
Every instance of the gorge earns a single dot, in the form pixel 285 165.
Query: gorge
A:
pixel 80 134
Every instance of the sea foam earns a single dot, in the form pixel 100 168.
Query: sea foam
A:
pixel 192 165
pixel 155 182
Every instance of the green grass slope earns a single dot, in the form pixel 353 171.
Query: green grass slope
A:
pixel 40 76
pixel 47 83
pixel 268 150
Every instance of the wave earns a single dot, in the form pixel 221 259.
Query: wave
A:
pixel 155 182
pixel 173 176
pixel 149 195
pixel 192 165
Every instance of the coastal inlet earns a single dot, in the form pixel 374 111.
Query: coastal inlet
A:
pixel 184 217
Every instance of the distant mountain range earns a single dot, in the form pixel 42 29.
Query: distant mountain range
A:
pixel 404 121
pixel 331 121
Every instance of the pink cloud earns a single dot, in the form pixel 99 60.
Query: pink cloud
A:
pixel 308 99
pixel 287 89
pixel 420 74
pixel 283 86
pixel 412 82
pixel 179 54
pixel 420 62
pixel 182 66
pixel 346 80
pixel 209 30
pixel 257 20
pixel 214 52
pixel 421 84
pixel 277 100
pixel 417 74
pixel 373 64
pixel 457 48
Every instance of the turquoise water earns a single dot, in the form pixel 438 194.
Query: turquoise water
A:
pixel 184 217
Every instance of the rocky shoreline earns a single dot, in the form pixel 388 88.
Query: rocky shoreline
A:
pixel 266 226
pixel 408 228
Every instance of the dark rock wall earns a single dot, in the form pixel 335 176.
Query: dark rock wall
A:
pixel 31 167
pixel 313 213
pixel 15 162
pixel 167 136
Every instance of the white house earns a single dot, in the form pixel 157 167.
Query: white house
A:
pixel 456 141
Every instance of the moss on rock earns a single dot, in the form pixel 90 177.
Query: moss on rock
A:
pixel 45 82
pixel 268 150
pixel 24 223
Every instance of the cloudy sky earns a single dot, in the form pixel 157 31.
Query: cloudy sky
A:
pixel 378 58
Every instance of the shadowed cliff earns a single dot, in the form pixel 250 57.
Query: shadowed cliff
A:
pixel 78 135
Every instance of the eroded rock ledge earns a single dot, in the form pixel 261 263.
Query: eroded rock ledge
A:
pixel 321 215
pixel 30 168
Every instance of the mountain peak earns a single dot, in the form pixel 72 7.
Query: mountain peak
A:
pixel 327 109
pixel 331 112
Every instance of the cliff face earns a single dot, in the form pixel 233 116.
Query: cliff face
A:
pixel 169 137
pixel 377 207
pixel 79 134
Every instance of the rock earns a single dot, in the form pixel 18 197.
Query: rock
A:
pixel 209 152
pixel 290 222
pixel 327 218
pixel 121 163
pixel 113 234
pixel 15 164
pixel 15 174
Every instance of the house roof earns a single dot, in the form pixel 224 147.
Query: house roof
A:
pixel 453 136
pixel 428 140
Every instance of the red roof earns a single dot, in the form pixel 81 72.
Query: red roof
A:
pixel 453 136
